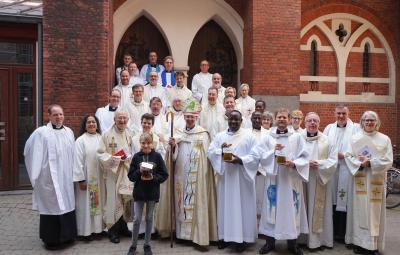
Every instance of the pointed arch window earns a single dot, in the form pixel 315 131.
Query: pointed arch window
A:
pixel 314 59
pixel 366 60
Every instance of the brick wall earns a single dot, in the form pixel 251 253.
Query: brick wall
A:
pixel 77 46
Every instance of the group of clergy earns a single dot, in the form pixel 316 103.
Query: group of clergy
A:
pixel 232 174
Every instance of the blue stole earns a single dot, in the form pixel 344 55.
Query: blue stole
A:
pixel 164 78
pixel 149 68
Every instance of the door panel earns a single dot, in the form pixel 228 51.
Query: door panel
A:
pixel 5 157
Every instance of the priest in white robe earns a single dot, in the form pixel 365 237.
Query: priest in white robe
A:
pixel 245 103
pixel 167 76
pixel 127 60
pixel 89 184
pixel 340 133
pixel 106 114
pixel 201 81
pixel 236 195
pixel 177 109
pixel 134 76
pixel 153 89
pixel 125 89
pixel 283 156
pixel 160 126
pixel 147 122
pixel 114 154
pixel 137 108
pixel 259 133
pixel 230 105
pixel 212 114
pixel 152 66
pixel 49 157
pixel 180 90
pixel 369 157
pixel 296 119
pixel 194 184
pixel 217 83
pixel 322 156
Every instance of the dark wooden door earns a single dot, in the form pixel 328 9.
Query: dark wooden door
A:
pixel 5 139
pixel 139 39
pixel 213 44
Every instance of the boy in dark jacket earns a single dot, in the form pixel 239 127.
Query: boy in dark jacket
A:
pixel 147 171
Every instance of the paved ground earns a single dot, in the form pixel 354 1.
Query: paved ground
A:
pixel 19 234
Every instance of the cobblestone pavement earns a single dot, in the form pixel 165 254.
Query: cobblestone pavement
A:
pixel 19 234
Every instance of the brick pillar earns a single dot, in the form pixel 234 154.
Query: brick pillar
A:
pixel 77 56
pixel 275 51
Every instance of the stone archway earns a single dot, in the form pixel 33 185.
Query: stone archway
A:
pixel 213 44
pixel 139 39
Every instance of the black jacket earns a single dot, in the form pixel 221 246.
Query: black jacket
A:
pixel 147 190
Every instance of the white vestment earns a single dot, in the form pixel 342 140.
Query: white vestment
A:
pixel 133 80
pixel 118 188
pixel 236 195
pixel 135 111
pixel 341 183
pixel 182 92
pixel 156 91
pixel 200 84
pixel 89 202
pixel 319 192
pixel 221 95
pixel 160 127
pixel 366 217
pixel 246 105
pixel 144 72
pixel 106 117
pixel 212 119
pixel 126 94
pixel 260 178
pixel 283 212
pixel 49 157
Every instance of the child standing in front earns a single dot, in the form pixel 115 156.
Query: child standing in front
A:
pixel 147 171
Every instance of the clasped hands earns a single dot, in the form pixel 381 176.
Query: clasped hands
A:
pixel 145 175
pixel 288 163
pixel 235 159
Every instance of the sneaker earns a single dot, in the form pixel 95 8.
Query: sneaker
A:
pixel 132 250
pixel 147 250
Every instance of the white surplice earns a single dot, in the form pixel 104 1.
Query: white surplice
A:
pixel 89 202
pixel 49 157
pixel 246 105
pixel 366 217
pixel 144 72
pixel 212 119
pixel 319 192
pixel 156 91
pixel 133 80
pixel 200 84
pixel 236 195
pixel 106 117
pixel 182 92
pixel 341 183
pixel 126 94
pixel 283 212
pixel 135 111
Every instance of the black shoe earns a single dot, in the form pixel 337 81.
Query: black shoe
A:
pixel 296 251
pixel 359 250
pixel 132 250
pixel 147 250
pixel 126 232
pixel 52 247
pixel 222 244
pixel 240 247
pixel 114 238
pixel 266 248
pixel 374 253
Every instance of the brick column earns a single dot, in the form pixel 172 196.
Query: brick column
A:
pixel 77 56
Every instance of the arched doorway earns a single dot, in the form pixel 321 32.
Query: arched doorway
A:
pixel 212 43
pixel 139 39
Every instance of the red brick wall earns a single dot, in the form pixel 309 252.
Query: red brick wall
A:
pixel 77 46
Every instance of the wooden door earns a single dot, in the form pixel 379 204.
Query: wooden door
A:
pixel 5 139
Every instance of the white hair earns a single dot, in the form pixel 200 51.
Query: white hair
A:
pixel 312 113
pixel 373 115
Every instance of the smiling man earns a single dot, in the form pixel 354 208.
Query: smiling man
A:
pixel 236 202
pixel 49 157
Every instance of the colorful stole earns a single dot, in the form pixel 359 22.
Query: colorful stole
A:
pixel 149 69
pixel 164 78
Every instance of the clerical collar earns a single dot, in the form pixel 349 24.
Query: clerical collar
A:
pixel 153 65
pixel 341 126
pixel 137 103
pixel 189 129
pixel 55 127
pixel 257 129
pixel 281 132
pixel 112 109
pixel 311 135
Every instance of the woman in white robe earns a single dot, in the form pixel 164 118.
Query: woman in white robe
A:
pixel 369 157
pixel 88 181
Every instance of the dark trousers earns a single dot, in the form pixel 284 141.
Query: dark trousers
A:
pixel 57 229
pixel 339 224
pixel 292 244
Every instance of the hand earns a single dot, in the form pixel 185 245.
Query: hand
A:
pixel 314 164
pixel 225 145
pixel 340 155
pixel 279 147
pixel 83 185
pixel 235 160
pixel 146 177
pixel 172 142
pixel 364 161
pixel 141 170
pixel 289 163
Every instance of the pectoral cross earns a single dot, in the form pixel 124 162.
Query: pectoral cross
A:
pixel 360 184
pixel 376 192
pixel 341 194
pixel 112 145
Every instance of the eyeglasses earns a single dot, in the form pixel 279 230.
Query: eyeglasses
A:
pixel 369 120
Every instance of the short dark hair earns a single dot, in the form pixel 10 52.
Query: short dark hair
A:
pixel 230 113
pixel 261 101
pixel 83 124
pixel 179 74
pixel 147 116
pixel 157 99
